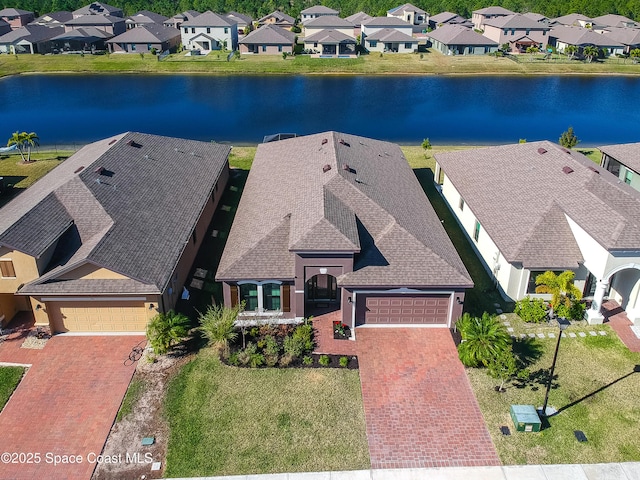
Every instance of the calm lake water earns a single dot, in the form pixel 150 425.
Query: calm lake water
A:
pixel 68 109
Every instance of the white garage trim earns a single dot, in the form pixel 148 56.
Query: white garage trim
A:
pixel 93 299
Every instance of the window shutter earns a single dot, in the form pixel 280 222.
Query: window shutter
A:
pixel 286 298
pixel 234 295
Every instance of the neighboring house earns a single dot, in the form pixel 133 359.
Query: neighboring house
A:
pixel 107 23
pixel 321 24
pixel 339 222
pixel 16 18
pixel 458 40
pixel 317 11
pixel 575 19
pixel 209 31
pixel 331 42
pixel 562 36
pixel 177 20
pixel 4 27
pixel 479 17
pixel 54 19
pixel 145 17
pixel 83 39
pixel 356 19
pixel 29 39
pixel 410 13
pixel 388 34
pixel 448 18
pixel 97 8
pixel 537 17
pixel 518 31
pixel 629 37
pixel 268 40
pixel 278 19
pixel 547 208
pixel 146 38
pixel 611 20
pixel 623 161
pixel 242 21
pixel 106 240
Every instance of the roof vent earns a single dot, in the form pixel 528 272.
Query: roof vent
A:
pixel 324 141
pixel 99 170
pixel 132 143
pixel 594 170
pixel 567 169
pixel 566 151
pixel 342 142
pixel 326 168
pixel 542 151
pixel 113 141
pixel 79 169
pixel 346 167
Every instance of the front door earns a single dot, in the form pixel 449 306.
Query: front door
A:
pixel 322 288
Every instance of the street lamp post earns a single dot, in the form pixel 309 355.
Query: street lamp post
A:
pixel 563 326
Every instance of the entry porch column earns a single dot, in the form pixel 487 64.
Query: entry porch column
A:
pixel 594 316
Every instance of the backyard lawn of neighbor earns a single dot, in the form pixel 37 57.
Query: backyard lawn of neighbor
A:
pixel 9 379
pixel 595 390
pixel 231 421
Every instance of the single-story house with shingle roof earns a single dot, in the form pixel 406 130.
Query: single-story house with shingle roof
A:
pixel 317 11
pixel 612 20
pixel 81 39
pixel 29 39
pixel 16 18
pixel 459 40
pixel 108 23
pixel 146 38
pixel 330 42
pixel 623 160
pixel 547 208
pixel 268 40
pixel 279 19
pixel 106 240
pixel 629 37
pixel 339 222
pixel 562 36
pixel 145 17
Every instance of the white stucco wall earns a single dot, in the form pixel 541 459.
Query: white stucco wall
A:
pixel 187 34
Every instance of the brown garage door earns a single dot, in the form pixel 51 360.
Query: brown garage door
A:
pixel 406 309
pixel 97 316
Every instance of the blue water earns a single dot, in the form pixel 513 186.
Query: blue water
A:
pixel 67 109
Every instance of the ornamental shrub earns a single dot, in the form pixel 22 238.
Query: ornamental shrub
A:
pixel 324 360
pixel 532 310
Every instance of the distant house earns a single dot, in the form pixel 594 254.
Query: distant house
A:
pixel 537 17
pixel 611 20
pixel 242 21
pixel 97 8
pixel 549 208
pixel 146 38
pixel 623 161
pixel 410 13
pixel 107 23
pixel 16 18
pixel 448 18
pixel 459 40
pixel 320 24
pixel 563 36
pixel 480 16
pixel 145 17
pixel 518 31
pixel 330 42
pixel 106 241
pixel 268 40
pixel 356 19
pixel 54 19
pixel 388 34
pixel 209 31
pixel 29 39
pixel 278 19
pixel 178 19
pixel 317 11
pixel 4 27
pixel 575 19
pixel 81 39
pixel 629 37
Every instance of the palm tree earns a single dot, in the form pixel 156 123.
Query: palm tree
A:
pixel 30 140
pixel 217 324
pixel 483 339
pixel 17 139
pixel 532 50
pixel 590 52
pixel 571 50
pixel 165 329
pixel 635 54
pixel 561 287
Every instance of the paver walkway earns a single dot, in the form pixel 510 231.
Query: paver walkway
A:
pixel 617 319
pixel 65 404
pixel 325 343
pixel 419 407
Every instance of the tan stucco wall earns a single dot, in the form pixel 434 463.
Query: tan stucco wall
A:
pixel 91 272
pixel 8 308
pixel 25 267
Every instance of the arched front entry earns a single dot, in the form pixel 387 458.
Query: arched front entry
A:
pixel 623 285
pixel 321 292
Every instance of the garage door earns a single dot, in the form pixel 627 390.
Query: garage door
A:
pixel 406 309
pixel 97 316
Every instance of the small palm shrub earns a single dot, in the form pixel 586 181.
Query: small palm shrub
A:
pixel 307 360
pixel 217 325
pixel 344 361
pixel 300 342
pixel 166 329
pixel 533 310
pixel 483 338
pixel 324 360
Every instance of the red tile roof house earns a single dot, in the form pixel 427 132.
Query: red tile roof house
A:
pixel 340 222
pixel 16 18
pixel 532 207
pixel 108 238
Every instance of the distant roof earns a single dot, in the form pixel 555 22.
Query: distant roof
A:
pixel 537 17
pixel 358 18
pixel 280 17
pixel 579 36
pixel 626 153
pixel 391 35
pixel 95 20
pixel 97 8
pixel 443 17
pixel 459 35
pixel 534 230
pixel 319 9
pixel 329 35
pixel 31 33
pixel 337 192
pixel 152 33
pixel 407 7
pixel 494 11
pixel 611 20
pixel 572 19
pixel 87 33
pixel 239 18
pixel 131 217
pixel 328 21
pixel 209 19
pixel 516 21
pixel 13 12
pixel 54 18
pixel 145 16
pixel 386 22
pixel 624 35
pixel 270 35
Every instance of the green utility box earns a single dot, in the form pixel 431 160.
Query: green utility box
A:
pixel 525 418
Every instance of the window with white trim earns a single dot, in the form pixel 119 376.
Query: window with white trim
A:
pixel 260 296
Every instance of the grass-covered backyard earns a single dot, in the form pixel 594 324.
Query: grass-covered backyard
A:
pixel 231 421
pixel 9 379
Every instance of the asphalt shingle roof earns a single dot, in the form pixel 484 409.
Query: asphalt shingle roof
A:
pixel 339 192
pixel 390 35
pixel 152 33
pixel 330 35
pixel 624 35
pixel 612 20
pixel 89 20
pixel 329 21
pixel 280 18
pixel 146 17
pixel 626 153
pixel 97 8
pixel 407 7
pixel 358 18
pixel 319 9
pixel 31 33
pixel 270 35
pixel 582 36
pixel 535 229
pixel 209 19
pixel 13 12
pixel 515 21
pixel 494 11
pixel 459 35
pixel 572 19
pixel 386 22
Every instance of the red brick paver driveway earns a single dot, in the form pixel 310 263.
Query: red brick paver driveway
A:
pixel 65 405
pixel 419 407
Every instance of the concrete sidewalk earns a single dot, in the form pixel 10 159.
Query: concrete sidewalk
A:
pixel 596 471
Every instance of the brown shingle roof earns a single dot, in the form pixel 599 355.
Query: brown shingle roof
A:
pixel 328 21
pixel 319 9
pixel 626 153
pixel 391 35
pixel 459 35
pixel 515 21
pixel 369 202
pixel 209 19
pixel 153 33
pixel 579 36
pixel 270 35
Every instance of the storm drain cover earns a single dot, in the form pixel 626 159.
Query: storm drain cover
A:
pixel 580 436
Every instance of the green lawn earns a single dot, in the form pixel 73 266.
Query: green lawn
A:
pixel 594 390
pixel 134 392
pixel 9 379
pixel 232 421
